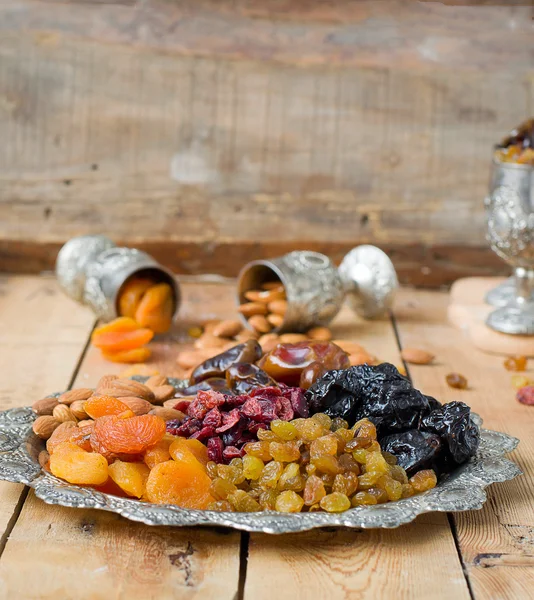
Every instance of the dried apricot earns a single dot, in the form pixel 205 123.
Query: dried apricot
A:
pixel 157 454
pixel 181 445
pixel 117 341
pixel 129 436
pixel 101 406
pixel 137 355
pixel 130 477
pixel 156 308
pixel 119 325
pixel 180 483
pixel 131 293
pixel 71 463
pixel 76 435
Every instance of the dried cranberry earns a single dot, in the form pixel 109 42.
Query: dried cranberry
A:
pixel 215 449
pixel 203 434
pixel 229 419
pixel 182 405
pixel 173 426
pixel 298 401
pixel 213 418
pixel 197 409
pixel 211 399
pixel 526 395
pixel 232 452
pixel 284 410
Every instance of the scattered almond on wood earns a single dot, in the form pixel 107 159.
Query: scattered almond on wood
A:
pixel 322 334
pixel 416 356
pixel 227 329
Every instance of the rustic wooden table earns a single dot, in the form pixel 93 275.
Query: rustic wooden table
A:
pixel 54 552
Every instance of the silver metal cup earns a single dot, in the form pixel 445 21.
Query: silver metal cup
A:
pixel 510 213
pixel 101 269
pixel 316 289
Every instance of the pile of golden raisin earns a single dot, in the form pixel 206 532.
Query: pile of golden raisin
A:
pixel 313 464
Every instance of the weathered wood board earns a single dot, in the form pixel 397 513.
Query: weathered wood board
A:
pixel 196 127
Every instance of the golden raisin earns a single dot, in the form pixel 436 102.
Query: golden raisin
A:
pixel 456 381
pixel 515 363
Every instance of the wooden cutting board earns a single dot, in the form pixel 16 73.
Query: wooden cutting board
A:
pixel 468 311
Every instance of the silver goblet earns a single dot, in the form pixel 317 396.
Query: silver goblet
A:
pixel 510 211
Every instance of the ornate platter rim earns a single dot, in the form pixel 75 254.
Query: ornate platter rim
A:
pixel 462 490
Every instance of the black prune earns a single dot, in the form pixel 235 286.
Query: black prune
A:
pixel 453 423
pixel 217 384
pixel 244 377
pixel 249 352
pixel 415 450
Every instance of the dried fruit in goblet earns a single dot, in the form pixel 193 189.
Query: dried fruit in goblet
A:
pixel 131 293
pixel 155 309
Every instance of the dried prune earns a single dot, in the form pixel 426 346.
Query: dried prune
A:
pixel 379 393
pixel 413 449
pixel 242 378
pixel 248 352
pixel 453 423
pixel 217 384
pixel 302 363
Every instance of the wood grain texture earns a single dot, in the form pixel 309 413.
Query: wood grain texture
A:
pixel 283 123
pixel 496 542
pixel 42 337
pixel 359 564
pixel 55 552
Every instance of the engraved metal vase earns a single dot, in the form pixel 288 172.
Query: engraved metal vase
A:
pixel 510 213
pixel 316 289
pixel 92 270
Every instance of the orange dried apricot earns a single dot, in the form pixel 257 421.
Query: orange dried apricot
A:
pixel 156 308
pixel 182 483
pixel 76 435
pixel 157 454
pixel 110 487
pixel 131 294
pixel 186 450
pixel 117 341
pixel 129 476
pixel 71 463
pixel 138 355
pixel 128 436
pixel 101 406
pixel 120 325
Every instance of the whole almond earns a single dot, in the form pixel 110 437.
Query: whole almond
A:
pixel 246 334
pixel 44 426
pixel 360 358
pixel 260 324
pixel 105 380
pixel 349 347
pixel 278 307
pixel 136 388
pixel 208 340
pixel 44 458
pixel 78 410
pixel 268 341
pixel 137 405
pixel 163 392
pixel 227 329
pixel 86 423
pixel 210 325
pixel 272 285
pixel 167 414
pixel 249 309
pixel 174 401
pixel 63 413
pixel 416 356
pixel 265 296
pixel 322 334
pixel 76 394
pixel 190 358
pixel 292 338
pixel 45 406
pixel 155 381
pixel 275 320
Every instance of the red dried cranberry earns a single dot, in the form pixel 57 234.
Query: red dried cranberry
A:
pixel 182 405
pixel 526 395
pixel 229 419
pixel 215 449
pixel 213 418
pixel 211 399
pixel 203 434
pixel 232 452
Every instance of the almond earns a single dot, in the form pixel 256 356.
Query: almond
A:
pixel 249 309
pixel 78 410
pixel 44 426
pixel 260 324
pixel 416 356
pixel 272 285
pixel 210 325
pixel 265 296
pixel 349 347
pixel 278 307
pixel 44 457
pixel 360 358
pixel 322 334
pixel 76 394
pixel 155 381
pixel 174 401
pixel 45 406
pixel 246 334
pixel 268 341
pixel 227 329
pixel 137 388
pixel 63 413
pixel 86 423
pixel 208 340
pixel 275 320
pixel 137 405
pixel 190 358
pixel 167 414
pixel 292 338
pixel 105 380
pixel 162 393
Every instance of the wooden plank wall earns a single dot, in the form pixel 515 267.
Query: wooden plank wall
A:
pixel 214 132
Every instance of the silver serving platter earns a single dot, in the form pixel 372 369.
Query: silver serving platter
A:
pixel 462 490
